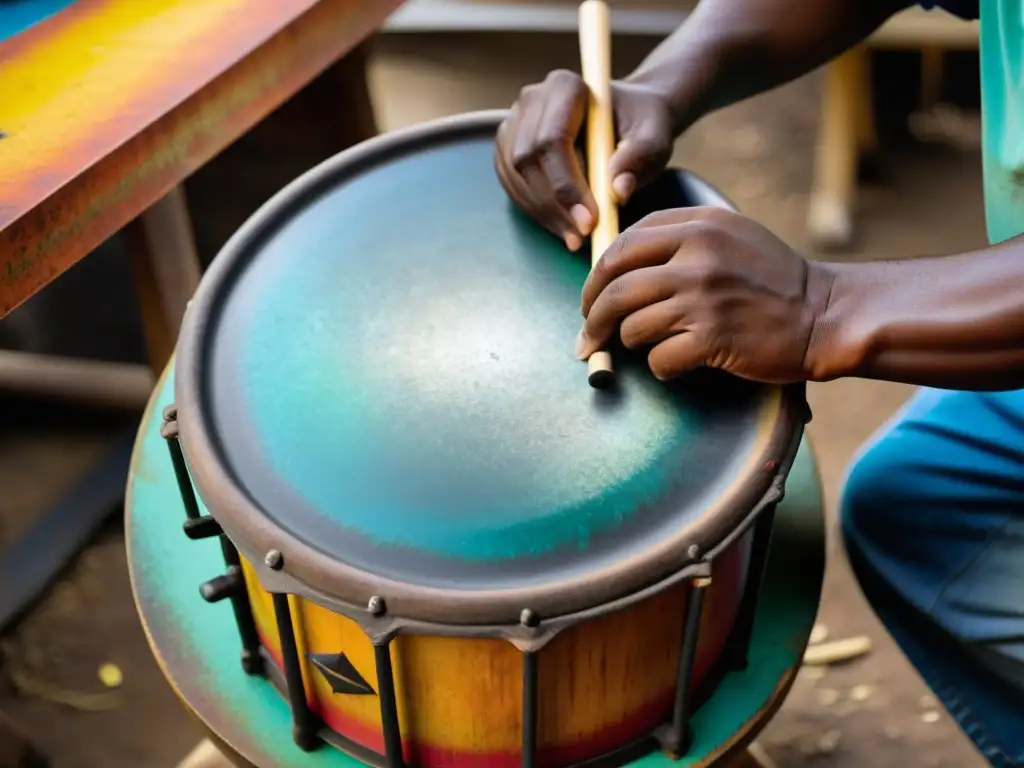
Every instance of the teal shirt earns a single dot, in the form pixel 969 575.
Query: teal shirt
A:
pixel 1002 80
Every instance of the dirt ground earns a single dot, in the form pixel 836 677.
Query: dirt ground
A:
pixel 874 712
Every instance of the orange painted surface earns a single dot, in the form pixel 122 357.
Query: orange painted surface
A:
pixel 602 684
pixel 110 103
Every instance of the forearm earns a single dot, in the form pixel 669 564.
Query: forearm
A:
pixel 729 50
pixel 955 322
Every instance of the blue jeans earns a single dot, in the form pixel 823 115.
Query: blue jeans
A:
pixel 933 520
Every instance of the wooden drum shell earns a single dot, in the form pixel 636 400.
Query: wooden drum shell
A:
pixel 602 683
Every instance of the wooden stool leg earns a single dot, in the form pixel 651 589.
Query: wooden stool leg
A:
pixel 830 218
pixel 932 70
pixel 867 130
pixel 356 121
pixel 165 267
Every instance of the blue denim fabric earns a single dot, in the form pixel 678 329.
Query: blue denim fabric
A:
pixel 933 519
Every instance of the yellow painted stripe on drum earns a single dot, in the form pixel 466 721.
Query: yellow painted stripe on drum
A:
pixel 466 694
pixel 262 604
pixel 329 633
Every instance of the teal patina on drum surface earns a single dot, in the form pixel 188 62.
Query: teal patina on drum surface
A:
pixel 392 379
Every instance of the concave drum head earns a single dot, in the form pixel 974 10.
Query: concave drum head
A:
pixel 377 379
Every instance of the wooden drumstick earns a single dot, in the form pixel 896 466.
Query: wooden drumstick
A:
pixel 596 61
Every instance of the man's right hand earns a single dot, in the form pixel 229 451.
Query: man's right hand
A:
pixel 536 158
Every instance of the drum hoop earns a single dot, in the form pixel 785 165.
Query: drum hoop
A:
pixel 300 568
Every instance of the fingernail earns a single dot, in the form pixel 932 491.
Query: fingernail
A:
pixel 584 221
pixel 572 241
pixel 581 346
pixel 623 186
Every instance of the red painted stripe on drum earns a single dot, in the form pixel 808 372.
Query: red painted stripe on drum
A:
pixel 611 737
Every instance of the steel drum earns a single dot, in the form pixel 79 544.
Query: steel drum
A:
pixel 440 546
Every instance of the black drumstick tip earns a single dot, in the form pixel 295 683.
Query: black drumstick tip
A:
pixel 602 379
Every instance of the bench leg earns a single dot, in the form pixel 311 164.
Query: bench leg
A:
pixel 932 70
pixel 843 127
pixel 165 268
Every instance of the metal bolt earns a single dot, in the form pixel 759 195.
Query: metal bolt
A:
pixel 693 552
pixel 529 618
pixel 274 560
pixel 376 606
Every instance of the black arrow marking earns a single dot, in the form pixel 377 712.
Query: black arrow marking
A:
pixel 340 674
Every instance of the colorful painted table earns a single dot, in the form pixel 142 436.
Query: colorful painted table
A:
pixel 109 104
pixel 197 644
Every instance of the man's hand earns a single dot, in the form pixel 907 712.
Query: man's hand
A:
pixel 707 287
pixel 535 153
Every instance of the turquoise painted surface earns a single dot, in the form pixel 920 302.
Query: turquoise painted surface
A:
pixel 199 649
pixel 395 380
pixel 18 15
pixel 1002 78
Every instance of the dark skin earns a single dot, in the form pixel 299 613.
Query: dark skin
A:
pixel 707 287
pixel 726 51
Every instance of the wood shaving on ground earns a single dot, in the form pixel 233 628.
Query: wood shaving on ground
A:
pixel 205 755
pixel 860 692
pixel 829 741
pixel 837 651
pixel 819 634
pixel 110 675
pixel 827 696
pixel 757 752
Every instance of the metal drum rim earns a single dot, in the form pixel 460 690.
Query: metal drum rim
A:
pixel 301 568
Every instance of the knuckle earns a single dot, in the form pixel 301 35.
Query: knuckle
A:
pixel 617 290
pixel 714 214
pixel 630 336
pixel 705 275
pixel 565 80
pixel 659 366
pixel 565 192
pixel 522 156
pixel 608 264
pixel 646 136
pixel 551 140
pixel 651 220
pixel 527 93
pixel 701 244
pixel 710 236
pixel 658 219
